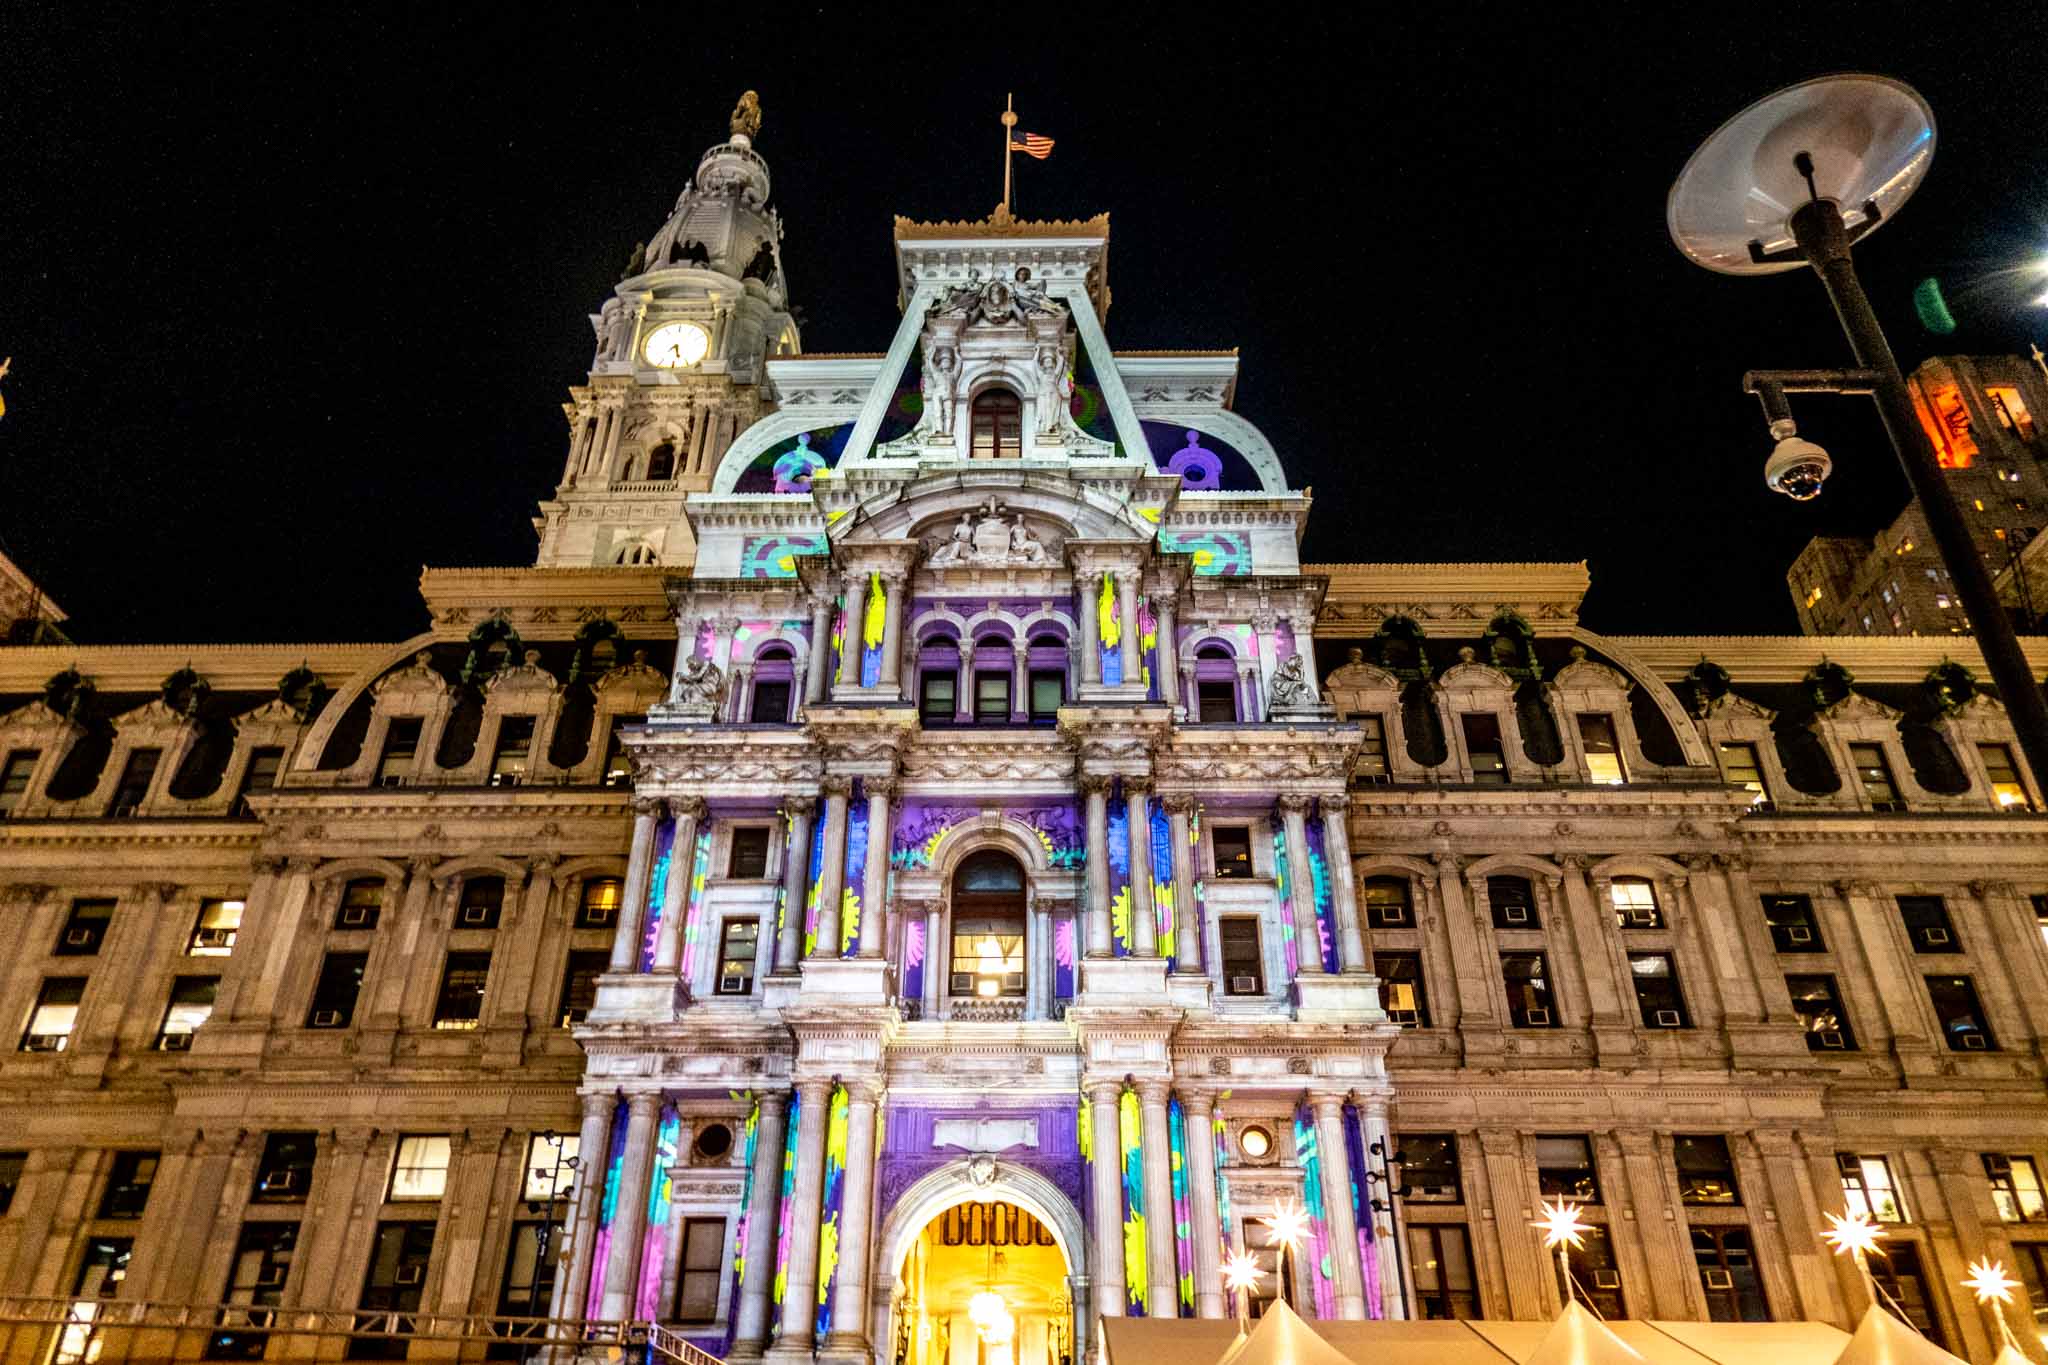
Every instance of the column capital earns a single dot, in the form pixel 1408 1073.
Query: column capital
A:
pixel 598 1104
pixel 1105 1092
pixel 1093 784
pixel 1447 864
pixel 1500 1141
pixel 836 784
pixel 1775 1142
pixel 1152 1091
pixel 1334 805
pixel 1732 862
pixel 805 803
pixel 863 1090
pixel 266 864
pixel 814 1088
pixel 884 787
pixel 1327 1103
pixel 1198 1101
pixel 687 807
pixel 1860 890
pixel 773 1101
pixel 1295 803
pixel 1696 862
pixel 1984 889
pixel 647 807
pixel 1178 803
pixel 421 864
pixel 1574 862
pixel 1136 785
pixel 643 1103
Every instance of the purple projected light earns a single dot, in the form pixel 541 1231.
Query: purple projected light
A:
pixel 1197 467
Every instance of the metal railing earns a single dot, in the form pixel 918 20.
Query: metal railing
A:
pixel 71 1331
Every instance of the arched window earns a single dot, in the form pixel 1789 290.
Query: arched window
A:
pixel 998 426
pixel 1215 685
pixel 938 680
pixel 988 928
pixel 774 682
pixel 639 552
pixel 1046 660
pixel 661 461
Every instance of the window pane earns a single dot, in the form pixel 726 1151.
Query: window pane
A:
pixel 1231 846
pixel 2006 788
pixel 1657 993
pixel 1429 1167
pixel 599 907
pixel 1876 776
pixel 771 703
pixel 1706 1171
pixel 550 1165
pixel 1401 991
pixel 1372 751
pixel 1962 1018
pixel 191 1006
pixel 1244 970
pixel 420 1169
pixel 460 1004
pixel 55 1014
pixel 736 949
pixel 1819 1007
pixel 1793 926
pixel 214 935
pixel 749 859
pixel 1483 747
pixel 334 995
pixel 1513 903
pixel 1635 903
pixel 1564 1168
pixel 1527 978
pixel 579 985
pixel 85 928
pixel 1928 925
pixel 1740 766
pixel 1603 750
pixel 1386 903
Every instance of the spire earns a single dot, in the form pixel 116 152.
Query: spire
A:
pixel 721 221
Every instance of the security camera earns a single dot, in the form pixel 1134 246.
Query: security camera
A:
pixel 1797 468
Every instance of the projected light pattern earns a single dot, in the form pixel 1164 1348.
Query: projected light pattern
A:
pixel 1219 554
pixel 657 890
pixel 776 556
pixel 1130 1156
pixel 660 1203
pixel 792 465
pixel 1183 1219
pixel 1322 1273
pixel 1362 1213
pixel 1203 460
pixel 607 1213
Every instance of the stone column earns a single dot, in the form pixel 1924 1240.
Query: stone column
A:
pixel 832 876
pixel 1106 1173
pixel 800 1294
pixel 1095 789
pixel 1187 940
pixel 1650 1175
pixel 963 693
pixel 1144 915
pixel 856 627
pixel 572 1290
pixel 875 915
pixel 1127 627
pixel 1337 1210
pixel 1973 1230
pixel 1168 665
pixel 856 1223
pixel 1789 1180
pixel 1188 702
pixel 1205 1235
pixel 1393 1258
pixel 1308 943
pixel 818 667
pixel 750 1327
pixel 1087 587
pixel 1898 994
pixel 738 701
pixel 1037 959
pixel 796 872
pixel 1020 681
pixel 1248 709
pixel 934 958
pixel 639 868
pixel 1592 935
pixel 629 1222
pixel 1351 956
pixel 1162 1274
pixel 2010 919
pixel 688 812
pixel 1529 1274
pixel 894 610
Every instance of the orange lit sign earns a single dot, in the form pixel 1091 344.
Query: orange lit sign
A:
pixel 1948 426
pixel 2010 409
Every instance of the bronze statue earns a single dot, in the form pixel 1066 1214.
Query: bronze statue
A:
pixel 746 118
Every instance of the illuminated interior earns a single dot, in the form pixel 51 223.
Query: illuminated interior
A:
pixel 983 1284
pixel 988 928
pixel 1947 422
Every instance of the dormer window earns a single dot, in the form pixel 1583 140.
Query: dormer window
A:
pixel 661 462
pixel 998 426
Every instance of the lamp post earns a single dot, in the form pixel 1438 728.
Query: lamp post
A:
pixel 1796 179
pixel 544 1209
pixel 1241 1274
pixel 1388 1177
pixel 1993 1288
pixel 1562 1230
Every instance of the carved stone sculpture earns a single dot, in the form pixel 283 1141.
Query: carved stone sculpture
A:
pixel 700 686
pixel 991 537
pixel 1290 684
pixel 746 117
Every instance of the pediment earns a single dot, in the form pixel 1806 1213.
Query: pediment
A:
pixel 152 714
pixel 1360 676
pixel 420 678
pixel 1475 677
pixel 276 711
pixel 1051 509
pixel 1593 676
pixel 1856 706
pixel 35 716
pixel 638 675
pixel 528 676
pixel 1728 703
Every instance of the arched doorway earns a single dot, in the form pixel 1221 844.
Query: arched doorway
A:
pixel 987 977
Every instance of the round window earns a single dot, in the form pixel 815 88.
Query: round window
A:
pixel 713 1142
pixel 1255 1142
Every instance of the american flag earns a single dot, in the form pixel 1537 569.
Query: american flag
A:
pixel 1032 144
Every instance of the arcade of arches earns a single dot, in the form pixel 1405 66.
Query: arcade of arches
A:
pixel 983 1284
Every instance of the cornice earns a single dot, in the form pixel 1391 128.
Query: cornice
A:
pixel 1788 658
pixel 543 597
pixel 1001 226
pixel 142 668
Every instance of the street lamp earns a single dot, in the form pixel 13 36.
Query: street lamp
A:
pixel 1796 179
pixel 1388 1177
pixel 558 1192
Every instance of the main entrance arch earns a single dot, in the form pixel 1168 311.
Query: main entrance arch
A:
pixel 981 1225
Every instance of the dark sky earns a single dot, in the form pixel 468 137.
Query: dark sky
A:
pixel 293 296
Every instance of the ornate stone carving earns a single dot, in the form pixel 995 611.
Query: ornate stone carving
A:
pixel 991 536
pixel 700 687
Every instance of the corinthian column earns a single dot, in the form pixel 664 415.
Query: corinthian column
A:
pixel 818 665
pixel 1095 789
pixel 856 1220
pixel 750 1329
pixel 856 617
pixel 875 918
pixel 675 902
pixel 1106 1175
pixel 1162 1291
pixel 639 868
pixel 1087 587
pixel 1301 886
pixel 1337 1210
pixel 893 585
pixel 1343 885
pixel 1144 915
pixel 1127 628
pixel 832 876
pixel 1206 1234
pixel 1187 940
pixel 796 872
pixel 800 1292
pixel 622 1271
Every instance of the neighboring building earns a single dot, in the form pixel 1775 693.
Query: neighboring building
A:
pixel 27 617
pixel 928 836
pixel 1981 414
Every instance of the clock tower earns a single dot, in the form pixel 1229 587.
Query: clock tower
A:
pixel 679 368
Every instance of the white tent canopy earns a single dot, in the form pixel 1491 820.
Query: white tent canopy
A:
pixel 1882 1339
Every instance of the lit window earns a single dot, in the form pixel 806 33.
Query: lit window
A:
pixel 1706 1171
pixel 2006 788
pixel 1635 903
pixel 1401 993
pixel 214 935
pixel 55 1014
pixel 1793 926
pixel 1244 970
pixel 14 776
pixel 1813 595
pixel 2041 917
pixel 191 1005
pixel 85 928
pixel 599 908
pixel 1386 903
pixel 461 1002
pixel 1231 848
pixel 1941 599
pixel 997 426
pixel 362 901
pixel 1887 592
pixel 515 747
pixel 1961 1014
pixel 991 698
pixel 2015 1187
pixel 550 1166
pixel 1254 1141
pixel 2010 410
pixel 1876 775
pixel 1947 422
pixel 1978 503
pixel 1564 1169
pixel 1657 993
pixel 1603 751
pixel 483 900
pixel 1818 1003
pixel 1740 766
pixel 618 768
pixel 1868 1187
pixel 401 747
pixel 1527 979
pixel 737 946
pixel 420 1169
pixel 1483 747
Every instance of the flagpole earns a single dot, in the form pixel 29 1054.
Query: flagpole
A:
pixel 1009 122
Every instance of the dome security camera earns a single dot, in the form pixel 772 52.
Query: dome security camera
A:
pixel 1797 468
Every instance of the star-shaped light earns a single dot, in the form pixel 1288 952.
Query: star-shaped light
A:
pixel 1561 1225
pixel 1288 1224
pixel 1852 1236
pixel 1989 1283
pixel 1241 1272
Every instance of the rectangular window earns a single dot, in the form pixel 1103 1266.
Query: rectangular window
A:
pixel 334 995
pixel 1868 1187
pixel 1216 700
pixel 419 1169
pixel 1244 963
pixel 2010 410
pixel 514 749
pixel 1657 994
pixel 284 1174
pixel 1740 766
pixel 771 702
pixel 1899 1275
pixel 362 902
pixel 530 1266
pixel 991 698
pixel 737 944
pixel 1483 747
pixel 1372 749
pixel 1527 977
pixel 579 986
pixel 618 767
pixel 1962 1017
pixel 214 934
pixel 1048 693
pixel 483 900
pixel 550 1167
pixel 1727 1263
pixel 749 857
pixel 397 1275
pixel 55 1015
pixel 1876 775
pixel 14 776
pixel 1597 1273
pixel 136 774
pixel 461 1001
pixel 1603 750
pixel 2004 775
pixel 1441 1256
pixel 937 695
pixel 1231 848
pixel 128 1183
pixel 1386 903
pixel 2015 1187
pixel 1564 1168
pixel 102 1269
pixel 1512 901
pixel 85 929
pixel 263 1262
pixel 697 1276
pixel 1928 925
pixel 259 776
pixel 2040 904
pixel 1635 903
pixel 191 1005
pixel 1706 1170
pixel 401 747
pixel 1429 1168
pixel 1794 927
pixel 598 906
pixel 12 1164
pixel 1401 990
pixel 1818 1003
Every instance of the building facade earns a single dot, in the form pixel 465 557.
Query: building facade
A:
pixel 919 865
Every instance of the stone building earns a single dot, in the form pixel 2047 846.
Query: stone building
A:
pixel 919 865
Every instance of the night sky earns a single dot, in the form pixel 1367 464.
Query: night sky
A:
pixel 294 297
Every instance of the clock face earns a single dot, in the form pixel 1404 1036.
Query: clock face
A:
pixel 676 345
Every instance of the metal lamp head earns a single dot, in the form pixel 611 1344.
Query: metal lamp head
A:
pixel 1797 467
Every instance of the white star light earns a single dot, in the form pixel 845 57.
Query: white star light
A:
pixel 1288 1224
pixel 1988 1281
pixel 1561 1225
pixel 1853 1236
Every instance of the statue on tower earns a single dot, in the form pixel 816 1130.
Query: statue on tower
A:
pixel 746 117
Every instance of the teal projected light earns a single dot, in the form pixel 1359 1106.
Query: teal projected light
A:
pixel 1932 307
